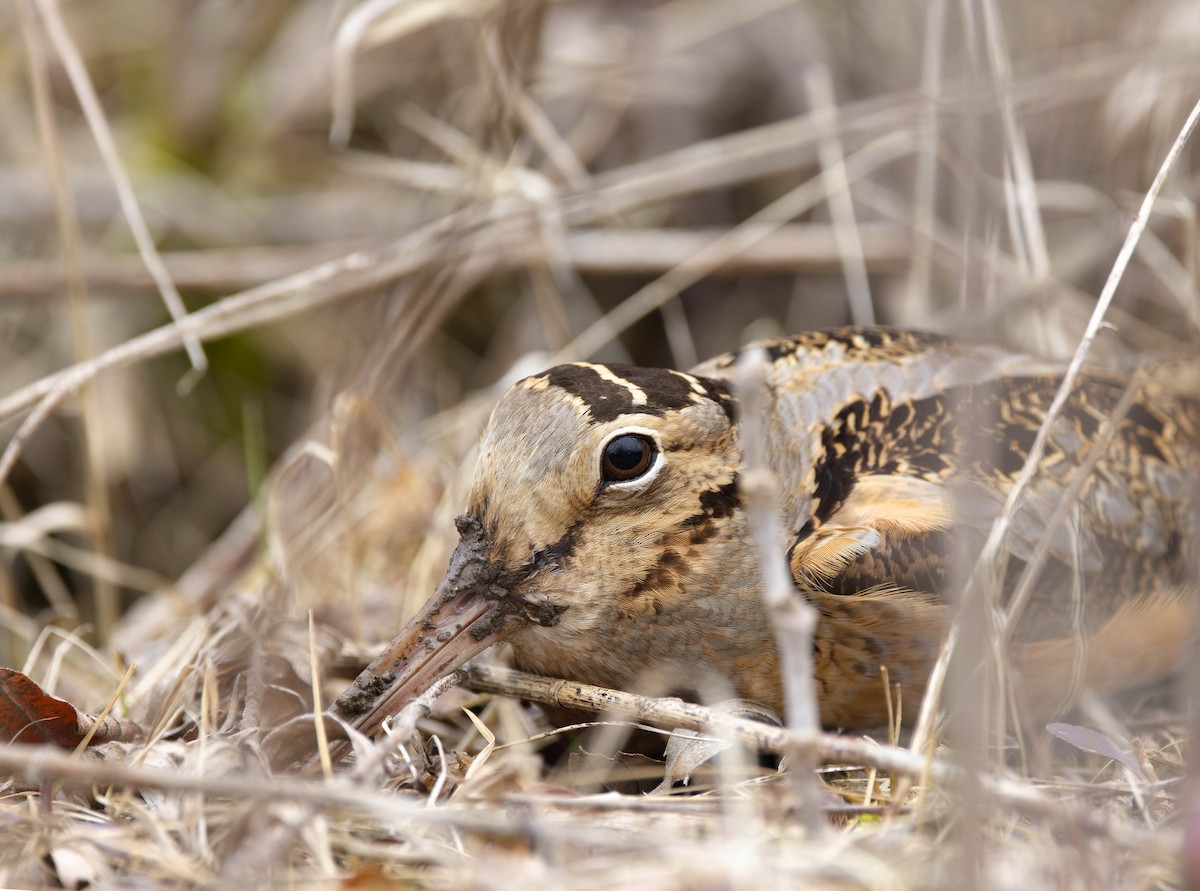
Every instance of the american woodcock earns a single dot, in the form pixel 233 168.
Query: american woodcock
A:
pixel 606 538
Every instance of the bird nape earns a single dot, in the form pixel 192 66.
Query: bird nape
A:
pixel 605 536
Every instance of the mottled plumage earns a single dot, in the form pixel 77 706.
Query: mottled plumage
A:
pixel 610 544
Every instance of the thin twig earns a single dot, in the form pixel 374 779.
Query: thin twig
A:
pixel 1067 502
pixel 793 619
pixel 324 283
pixel 60 390
pixel 999 529
pixel 93 431
pixel 925 181
pixel 730 244
pixel 819 87
pixel 1029 234
pixel 85 92
pixel 801 248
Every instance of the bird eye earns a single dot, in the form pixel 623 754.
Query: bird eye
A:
pixel 627 457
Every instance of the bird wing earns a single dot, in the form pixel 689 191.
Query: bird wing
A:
pixel 902 487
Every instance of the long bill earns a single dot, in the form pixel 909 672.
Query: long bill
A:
pixel 467 614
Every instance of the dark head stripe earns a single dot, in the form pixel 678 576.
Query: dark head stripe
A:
pixel 608 400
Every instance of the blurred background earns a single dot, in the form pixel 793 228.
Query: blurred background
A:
pixel 383 212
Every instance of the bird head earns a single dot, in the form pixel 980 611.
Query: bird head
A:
pixel 600 492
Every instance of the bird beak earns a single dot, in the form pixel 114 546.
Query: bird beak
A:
pixel 468 613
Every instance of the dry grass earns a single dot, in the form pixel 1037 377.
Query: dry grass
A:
pixel 510 182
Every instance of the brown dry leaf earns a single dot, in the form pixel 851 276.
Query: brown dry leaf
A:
pixel 28 714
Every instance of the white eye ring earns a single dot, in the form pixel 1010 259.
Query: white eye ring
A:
pixel 643 478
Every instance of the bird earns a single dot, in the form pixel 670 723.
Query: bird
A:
pixel 606 537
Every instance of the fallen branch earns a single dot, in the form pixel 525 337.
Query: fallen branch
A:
pixel 669 713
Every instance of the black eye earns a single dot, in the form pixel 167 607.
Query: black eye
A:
pixel 627 457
